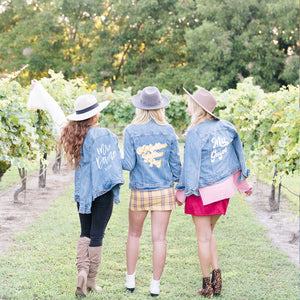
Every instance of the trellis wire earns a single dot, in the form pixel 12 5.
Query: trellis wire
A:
pixel 279 193
pixel 25 178
pixel 41 174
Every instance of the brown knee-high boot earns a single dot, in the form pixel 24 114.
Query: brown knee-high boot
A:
pixel 82 265
pixel 95 255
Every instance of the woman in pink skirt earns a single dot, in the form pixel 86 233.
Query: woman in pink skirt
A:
pixel 213 167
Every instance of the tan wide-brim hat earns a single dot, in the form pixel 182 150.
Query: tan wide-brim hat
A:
pixel 205 99
pixel 86 106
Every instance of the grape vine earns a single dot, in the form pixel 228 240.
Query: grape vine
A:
pixel 268 123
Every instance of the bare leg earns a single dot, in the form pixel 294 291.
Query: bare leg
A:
pixel 213 245
pixel 204 235
pixel 159 225
pixel 136 222
pixel 207 245
pixel 214 252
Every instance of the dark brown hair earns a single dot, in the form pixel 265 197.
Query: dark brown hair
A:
pixel 72 138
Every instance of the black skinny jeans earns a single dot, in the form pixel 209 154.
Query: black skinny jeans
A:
pixel 93 225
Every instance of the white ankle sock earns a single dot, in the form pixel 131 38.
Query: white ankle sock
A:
pixel 130 281
pixel 154 287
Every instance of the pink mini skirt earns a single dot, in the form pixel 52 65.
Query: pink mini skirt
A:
pixel 194 206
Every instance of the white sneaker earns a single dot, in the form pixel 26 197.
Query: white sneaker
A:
pixel 154 287
pixel 130 282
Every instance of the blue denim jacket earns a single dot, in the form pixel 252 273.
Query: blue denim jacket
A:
pixel 213 152
pixel 100 168
pixel 151 155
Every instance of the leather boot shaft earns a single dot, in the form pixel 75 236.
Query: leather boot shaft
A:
pixel 82 264
pixel 95 256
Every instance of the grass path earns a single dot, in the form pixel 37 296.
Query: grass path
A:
pixel 41 265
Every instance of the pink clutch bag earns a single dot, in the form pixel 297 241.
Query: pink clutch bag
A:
pixel 180 196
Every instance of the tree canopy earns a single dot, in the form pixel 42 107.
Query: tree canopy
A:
pixel 166 43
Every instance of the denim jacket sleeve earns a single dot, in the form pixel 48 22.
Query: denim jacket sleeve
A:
pixel 116 188
pixel 174 161
pixel 128 162
pixel 190 174
pixel 116 193
pixel 240 154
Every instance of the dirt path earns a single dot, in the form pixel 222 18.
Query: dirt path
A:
pixel 15 217
pixel 282 227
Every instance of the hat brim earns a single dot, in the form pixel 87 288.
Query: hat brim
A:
pixel 136 101
pixel 89 114
pixel 201 105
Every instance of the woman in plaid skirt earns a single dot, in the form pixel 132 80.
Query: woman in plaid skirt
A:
pixel 151 155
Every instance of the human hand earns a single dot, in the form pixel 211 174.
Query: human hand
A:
pixel 33 82
pixel 249 192
pixel 180 197
pixel 178 202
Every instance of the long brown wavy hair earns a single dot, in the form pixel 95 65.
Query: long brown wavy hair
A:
pixel 71 139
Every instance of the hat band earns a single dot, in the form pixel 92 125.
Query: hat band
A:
pixel 82 111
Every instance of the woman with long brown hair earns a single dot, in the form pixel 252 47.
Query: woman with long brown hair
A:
pixel 95 155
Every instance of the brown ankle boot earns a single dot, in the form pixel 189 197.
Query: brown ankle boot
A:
pixel 82 265
pixel 216 281
pixel 206 289
pixel 95 254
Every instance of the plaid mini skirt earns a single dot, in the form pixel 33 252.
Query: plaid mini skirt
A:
pixel 152 200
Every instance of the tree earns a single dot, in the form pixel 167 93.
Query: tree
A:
pixel 166 43
pixel 138 42
pixel 236 39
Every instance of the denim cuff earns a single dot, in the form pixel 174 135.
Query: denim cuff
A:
pixel 244 175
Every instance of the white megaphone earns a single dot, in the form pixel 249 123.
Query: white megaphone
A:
pixel 39 98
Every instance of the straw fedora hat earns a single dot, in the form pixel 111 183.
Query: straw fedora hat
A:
pixel 86 106
pixel 149 99
pixel 205 99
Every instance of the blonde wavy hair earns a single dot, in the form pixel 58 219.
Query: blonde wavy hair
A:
pixel 144 116
pixel 72 137
pixel 198 114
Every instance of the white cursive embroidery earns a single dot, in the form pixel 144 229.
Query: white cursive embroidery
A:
pixel 218 155
pixel 105 156
pixel 219 142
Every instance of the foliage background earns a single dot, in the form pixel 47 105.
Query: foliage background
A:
pixel 123 46
pixel 165 43
pixel 267 122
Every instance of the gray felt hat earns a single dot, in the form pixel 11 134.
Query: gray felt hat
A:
pixel 150 98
